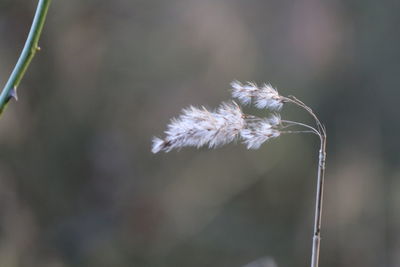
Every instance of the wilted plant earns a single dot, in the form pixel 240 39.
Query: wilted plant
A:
pixel 200 127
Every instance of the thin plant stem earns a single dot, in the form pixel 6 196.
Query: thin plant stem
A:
pixel 294 100
pixel 27 54
pixel 295 132
pixel 309 110
pixel 321 132
pixel 294 123
pixel 318 203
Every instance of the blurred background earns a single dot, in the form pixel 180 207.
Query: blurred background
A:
pixel 80 187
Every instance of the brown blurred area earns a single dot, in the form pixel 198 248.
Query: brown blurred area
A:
pixel 80 187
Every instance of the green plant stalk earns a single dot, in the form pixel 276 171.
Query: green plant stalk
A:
pixel 27 54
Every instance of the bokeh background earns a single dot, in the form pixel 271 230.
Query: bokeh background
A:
pixel 80 187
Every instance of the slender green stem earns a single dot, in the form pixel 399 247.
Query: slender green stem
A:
pixel 27 54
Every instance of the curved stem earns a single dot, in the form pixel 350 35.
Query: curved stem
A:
pixel 293 123
pixel 321 132
pixel 27 54
pixel 295 132
pixel 307 108
pixel 320 125
pixel 294 100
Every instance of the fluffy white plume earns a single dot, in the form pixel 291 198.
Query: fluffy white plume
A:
pixel 259 131
pixel 275 119
pixel 199 127
pixel 157 145
pixel 243 92
pixel 263 97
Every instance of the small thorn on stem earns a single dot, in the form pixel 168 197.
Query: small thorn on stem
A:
pixel 38 48
pixel 13 93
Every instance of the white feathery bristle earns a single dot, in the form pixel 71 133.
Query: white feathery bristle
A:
pixel 256 133
pixel 243 92
pixel 231 122
pixel 199 127
pixel 275 119
pixel 268 97
pixel 264 97
pixel 157 145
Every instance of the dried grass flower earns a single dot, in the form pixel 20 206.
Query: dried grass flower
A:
pixel 199 127
pixel 258 131
pixel 263 97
